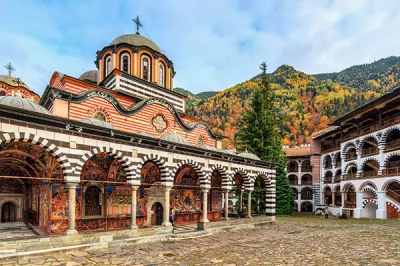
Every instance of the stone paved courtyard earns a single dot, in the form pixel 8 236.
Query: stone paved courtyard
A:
pixel 296 240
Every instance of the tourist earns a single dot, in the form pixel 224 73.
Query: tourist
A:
pixel 172 216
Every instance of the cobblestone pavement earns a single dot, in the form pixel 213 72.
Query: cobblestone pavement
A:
pixel 297 240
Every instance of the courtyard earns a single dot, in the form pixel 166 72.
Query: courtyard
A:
pixel 292 240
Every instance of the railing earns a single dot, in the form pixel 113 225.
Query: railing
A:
pixel 350 156
pixel 307 182
pixel 391 171
pixel 393 195
pixel 392 145
pixel 292 183
pixel 328 166
pixel 370 151
pixel 292 169
pixel 306 197
pixel 350 136
pixel 329 149
pixel 350 204
pixel 306 169
pixel 337 179
pixel 350 176
pixel 328 181
pixel 369 174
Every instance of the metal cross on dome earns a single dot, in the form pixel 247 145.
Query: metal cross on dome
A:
pixel 9 68
pixel 138 24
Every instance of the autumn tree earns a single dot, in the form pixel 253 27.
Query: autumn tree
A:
pixel 259 133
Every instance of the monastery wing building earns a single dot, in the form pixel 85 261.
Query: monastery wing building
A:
pixel 114 149
pixel 356 161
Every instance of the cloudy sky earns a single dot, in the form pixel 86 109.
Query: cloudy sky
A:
pixel 214 44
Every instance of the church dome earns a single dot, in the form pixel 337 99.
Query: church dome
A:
pixel 90 76
pixel 142 133
pixel 136 40
pixel 249 155
pixel 97 122
pixel 13 81
pixel 210 148
pixel 173 137
pixel 23 103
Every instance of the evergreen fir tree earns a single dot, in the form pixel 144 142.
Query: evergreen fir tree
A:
pixel 259 133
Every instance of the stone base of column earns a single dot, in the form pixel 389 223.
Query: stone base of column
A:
pixel 166 224
pixel 357 213
pixel 226 218
pixel 164 229
pixel 71 232
pixel 202 225
pixel 134 227
pixel 381 214
pixel 204 221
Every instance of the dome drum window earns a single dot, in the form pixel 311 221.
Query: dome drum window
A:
pixel 161 77
pixel 146 67
pixel 125 62
pixel 107 65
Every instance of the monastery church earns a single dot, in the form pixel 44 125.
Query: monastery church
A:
pixel 115 150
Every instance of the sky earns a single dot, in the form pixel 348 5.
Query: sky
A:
pixel 214 44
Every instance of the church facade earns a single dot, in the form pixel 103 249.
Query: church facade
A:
pixel 114 149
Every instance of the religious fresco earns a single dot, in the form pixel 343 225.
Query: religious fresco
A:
pixel 119 200
pixel 59 202
pixel 35 188
pixel 91 224
pixel 45 203
pixel 150 173
pixel 26 159
pixel 238 181
pixel 141 199
pixel 14 186
pixel 103 167
pixel 215 199
pixel 59 227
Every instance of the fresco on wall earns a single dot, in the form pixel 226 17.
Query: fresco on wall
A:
pixel 216 192
pixel 35 197
pixel 59 203
pixel 44 202
pixel 119 200
pixel 7 185
pixel 103 167
pixel 183 200
pixel 59 227
pixel 238 181
pixel 41 163
pixel 150 173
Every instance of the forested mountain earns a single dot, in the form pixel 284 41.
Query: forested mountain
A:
pixel 309 102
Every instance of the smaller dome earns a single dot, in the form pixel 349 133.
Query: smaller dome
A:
pixel 23 103
pixel 97 122
pixel 211 148
pixel 13 81
pixel 90 76
pixel 142 133
pixel 229 152
pixel 173 137
pixel 249 156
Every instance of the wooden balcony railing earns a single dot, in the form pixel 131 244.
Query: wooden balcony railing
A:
pixel 369 151
pixel 292 169
pixel 394 144
pixel 393 195
pixel 292 183
pixel 308 169
pixel 350 204
pixel 328 166
pixel 350 156
pixel 350 176
pixel 306 197
pixel 369 174
pixel 391 171
pixel 328 181
pixel 306 182
pixel 337 179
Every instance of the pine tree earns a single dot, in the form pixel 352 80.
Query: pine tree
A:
pixel 259 133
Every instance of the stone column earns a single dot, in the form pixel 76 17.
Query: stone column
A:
pixel 71 208
pixel 359 169
pixel 299 201
pixel 299 172
pixel 249 204
pixel 205 201
pixel 134 207
pixel 359 200
pixel 166 207
pixel 381 160
pixel 381 211
pixel 226 204
pixel 241 201
pixel 343 198
pixel 333 198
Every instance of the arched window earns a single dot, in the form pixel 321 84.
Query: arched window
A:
pixel 93 201
pixel 107 65
pixel 161 79
pixel 125 62
pixel 100 116
pixel 146 67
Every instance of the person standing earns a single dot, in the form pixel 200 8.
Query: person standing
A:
pixel 172 216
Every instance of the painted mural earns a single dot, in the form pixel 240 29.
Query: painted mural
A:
pixel 45 203
pixel 119 200
pixel 186 195
pixel 150 173
pixel 14 186
pixel 59 202
pixel 28 160
pixel 215 201
pixel 103 167
pixel 238 181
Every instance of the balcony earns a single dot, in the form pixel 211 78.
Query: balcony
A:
pixel 337 179
pixel 367 174
pixel 350 156
pixel 393 145
pixel 328 181
pixel 306 169
pixel 306 197
pixel 293 182
pixel 328 166
pixel 292 169
pixel 369 151
pixel 350 176
pixel 394 171
pixel 306 183
pixel 350 204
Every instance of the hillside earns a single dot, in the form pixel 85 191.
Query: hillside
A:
pixel 194 99
pixel 309 102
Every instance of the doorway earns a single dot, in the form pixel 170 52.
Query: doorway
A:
pixel 8 212
pixel 157 214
